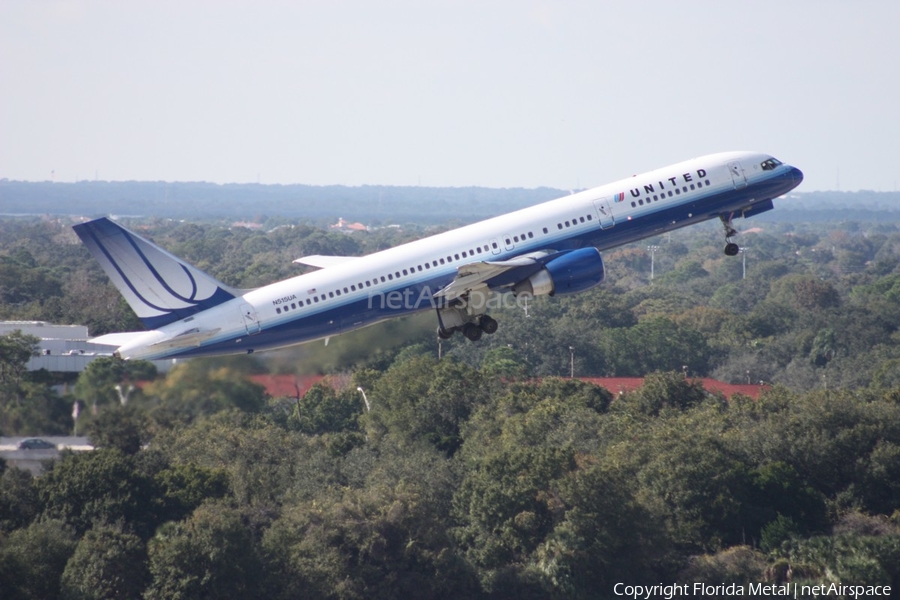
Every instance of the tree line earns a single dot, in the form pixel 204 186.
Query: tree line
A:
pixel 482 473
pixel 456 482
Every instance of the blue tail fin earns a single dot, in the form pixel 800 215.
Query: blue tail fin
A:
pixel 159 287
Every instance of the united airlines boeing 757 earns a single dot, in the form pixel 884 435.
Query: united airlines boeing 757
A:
pixel 551 248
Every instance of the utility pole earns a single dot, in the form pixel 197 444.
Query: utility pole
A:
pixel 652 250
pixel 365 400
pixel 571 362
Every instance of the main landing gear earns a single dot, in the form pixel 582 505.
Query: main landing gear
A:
pixel 731 249
pixel 473 330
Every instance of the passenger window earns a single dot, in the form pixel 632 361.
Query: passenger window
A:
pixel 405 272
pixel 331 294
pixel 545 230
pixel 277 311
pixel 293 306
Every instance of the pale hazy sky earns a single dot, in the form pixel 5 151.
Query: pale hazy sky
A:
pixel 440 93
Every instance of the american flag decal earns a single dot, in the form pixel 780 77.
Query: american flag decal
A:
pixel 311 292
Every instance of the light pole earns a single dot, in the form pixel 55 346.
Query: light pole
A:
pixel 652 250
pixel 571 362
pixel 366 400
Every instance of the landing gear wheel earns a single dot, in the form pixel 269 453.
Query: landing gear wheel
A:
pixel 489 325
pixel 731 249
pixel 444 334
pixel 472 331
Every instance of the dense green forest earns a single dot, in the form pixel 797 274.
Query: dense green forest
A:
pixel 482 474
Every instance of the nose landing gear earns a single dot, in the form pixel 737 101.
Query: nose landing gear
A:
pixel 731 249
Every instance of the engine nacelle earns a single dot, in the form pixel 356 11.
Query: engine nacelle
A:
pixel 570 273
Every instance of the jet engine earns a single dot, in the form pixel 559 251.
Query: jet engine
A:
pixel 572 272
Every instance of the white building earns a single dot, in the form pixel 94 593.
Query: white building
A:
pixel 64 348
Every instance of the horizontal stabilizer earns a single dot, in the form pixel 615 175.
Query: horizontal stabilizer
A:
pixel 190 338
pixel 321 260
pixel 116 339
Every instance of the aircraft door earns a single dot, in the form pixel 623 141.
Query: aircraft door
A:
pixel 508 242
pixel 737 174
pixel 495 246
pixel 251 319
pixel 603 206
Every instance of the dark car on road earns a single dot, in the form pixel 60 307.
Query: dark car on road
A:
pixel 36 444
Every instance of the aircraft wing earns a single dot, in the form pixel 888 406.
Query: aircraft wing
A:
pixel 496 274
pixel 321 261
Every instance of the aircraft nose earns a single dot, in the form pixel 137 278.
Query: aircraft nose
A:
pixel 796 175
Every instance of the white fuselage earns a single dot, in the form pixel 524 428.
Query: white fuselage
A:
pixel 352 294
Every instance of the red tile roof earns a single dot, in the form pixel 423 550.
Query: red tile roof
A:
pixel 292 386
pixel 295 386
pixel 618 385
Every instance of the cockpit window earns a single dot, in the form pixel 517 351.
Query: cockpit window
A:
pixel 768 165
